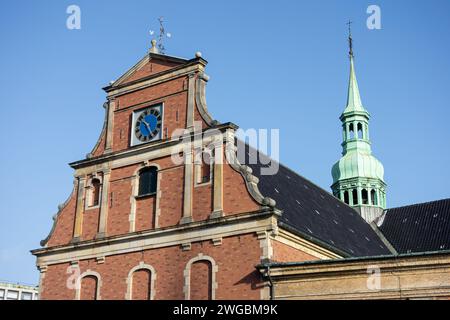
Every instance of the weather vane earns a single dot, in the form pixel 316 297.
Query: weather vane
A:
pixel 162 34
pixel 350 40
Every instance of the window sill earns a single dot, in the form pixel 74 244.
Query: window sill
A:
pixel 201 184
pixel 147 195
pixel 92 207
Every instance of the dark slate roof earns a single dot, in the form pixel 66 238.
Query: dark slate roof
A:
pixel 316 214
pixel 418 228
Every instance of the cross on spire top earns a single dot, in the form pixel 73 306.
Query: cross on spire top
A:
pixel 350 40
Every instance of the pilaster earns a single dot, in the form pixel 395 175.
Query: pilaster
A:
pixel 218 181
pixel 109 128
pixel 104 205
pixel 188 186
pixel 79 209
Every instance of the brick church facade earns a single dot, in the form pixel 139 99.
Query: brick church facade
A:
pixel 141 225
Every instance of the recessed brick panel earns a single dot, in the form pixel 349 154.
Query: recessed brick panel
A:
pixel 145 213
pixel 171 203
pixel 88 288
pixel 90 223
pixel 202 202
pixel 200 284
pixel 141 285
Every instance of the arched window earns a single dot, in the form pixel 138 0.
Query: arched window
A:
pixel 346 197
pixel 201 282
pixel 373 195
pixel 200 278
pixel 89 288
pixel 141 282
pixel 355 196
pixel 351 131
pixel 360 131
pixel 95 192
pixel 365 196
pixel 141 285
pixel 148 181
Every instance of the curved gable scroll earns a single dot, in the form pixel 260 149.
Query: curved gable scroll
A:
pixel 200 100
pixel 102 136
pixel 56 216
pixel 251 181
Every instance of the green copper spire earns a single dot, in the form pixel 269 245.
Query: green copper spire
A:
pixel 353 98
pixel 358 176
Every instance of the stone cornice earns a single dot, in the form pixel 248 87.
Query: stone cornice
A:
pixel 163 237
pixel 194 65
pixel 142 148
pixel 351 266
pixel 359 180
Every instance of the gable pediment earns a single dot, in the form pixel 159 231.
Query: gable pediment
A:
pixel 150 64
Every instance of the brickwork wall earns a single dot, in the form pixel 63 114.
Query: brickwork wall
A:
pixel 236 277
pixel 174 110
pixel 236 196
pixel 236 257
pixel 119 200
pixel 150 68
pixel 285 253
pixel 98 151
pixel 202 202
pixel 145 213
pixel 90 223
pixel 64 225
pixel 171 203
pixel 236 200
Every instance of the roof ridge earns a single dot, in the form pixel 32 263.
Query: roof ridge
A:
pixel 301 176
pixel 289 169
pixel 418 204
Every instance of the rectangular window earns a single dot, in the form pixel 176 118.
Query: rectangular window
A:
pixel 27 296
pixel 203 166
pixel 148 178
pixel 206 167
pixel 12 295
pixel 2 294
pixel 206 172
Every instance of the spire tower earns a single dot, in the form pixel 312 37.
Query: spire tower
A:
pixel 358 177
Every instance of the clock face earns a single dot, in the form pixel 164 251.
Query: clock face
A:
pixel 147 125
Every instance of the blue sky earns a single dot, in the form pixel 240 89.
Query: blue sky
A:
pixel 273 64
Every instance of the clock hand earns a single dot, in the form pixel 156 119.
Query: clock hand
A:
pixel 147 126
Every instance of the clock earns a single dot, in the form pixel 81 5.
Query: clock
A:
pixel 147 124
